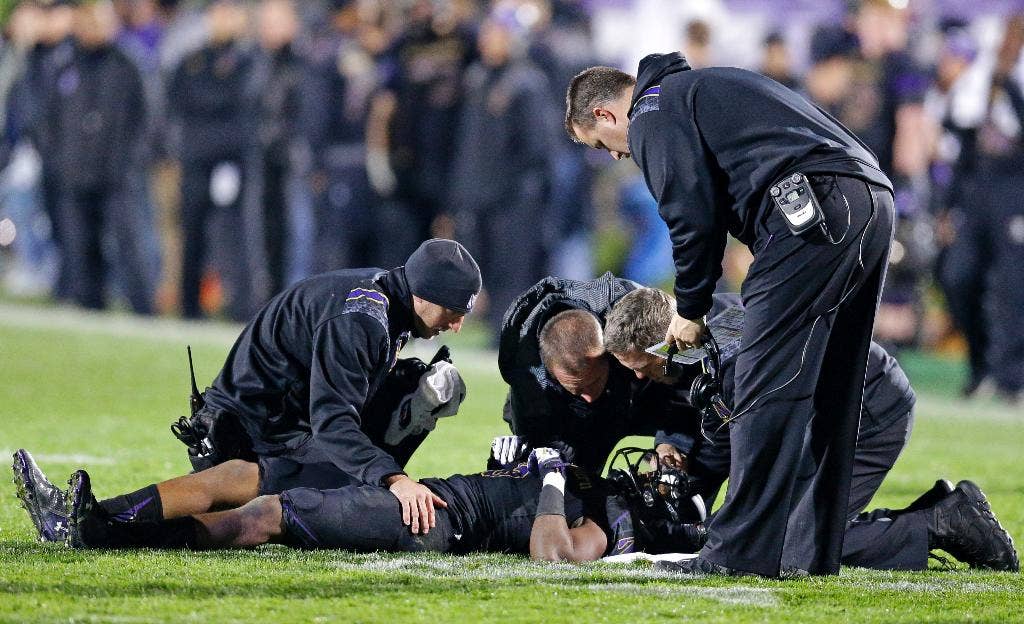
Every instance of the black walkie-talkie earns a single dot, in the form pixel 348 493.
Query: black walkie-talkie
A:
pixel 196 401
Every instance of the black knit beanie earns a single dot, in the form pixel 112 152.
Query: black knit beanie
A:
pixel 442 272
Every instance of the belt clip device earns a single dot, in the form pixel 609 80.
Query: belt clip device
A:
pixel 796 201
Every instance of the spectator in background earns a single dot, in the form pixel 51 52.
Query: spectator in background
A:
pixel 697 44
pixel 21 33
pixel 560 46
pixel 501 174
pixel 52 51
pixel 997 231
pixel 338 88
pixel 777 63
pixel 95 119
pixel 141 32
pixel 206 96
pixel 276 93
pixel 958 104
pixel 412 122
pixel 887 113
pixel 34 257
pixel 140 37
pixel 829 78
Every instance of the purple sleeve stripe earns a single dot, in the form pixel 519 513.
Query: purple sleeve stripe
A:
pixel 372 295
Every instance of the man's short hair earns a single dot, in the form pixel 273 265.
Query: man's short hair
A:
pixel 639 320
pixel 568 339
pixel 592 87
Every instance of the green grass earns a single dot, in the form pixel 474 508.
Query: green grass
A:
pixel 100 392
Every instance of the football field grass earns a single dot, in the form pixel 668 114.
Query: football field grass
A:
pixel 99 392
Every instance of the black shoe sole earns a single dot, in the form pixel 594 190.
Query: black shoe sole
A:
pixel 79 506
pixel 22 468
pixel 980 501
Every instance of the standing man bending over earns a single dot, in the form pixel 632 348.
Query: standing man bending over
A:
pixel 712 143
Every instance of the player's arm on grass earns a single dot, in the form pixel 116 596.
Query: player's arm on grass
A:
pixel 551 538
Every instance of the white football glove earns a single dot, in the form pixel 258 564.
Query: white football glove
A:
pixel 440 392
pixel 507 449
pixel 544 460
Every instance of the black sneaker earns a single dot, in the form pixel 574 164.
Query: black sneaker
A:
pixel 45 503
pixel 963 525
pixel 696 567
pixel 939 491
pixel 88 523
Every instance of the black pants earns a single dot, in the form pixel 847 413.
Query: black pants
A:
pixel 506 239
pixel 275 220
pixel 882 539
pixel 810 306
pixel 88 216
pixel 363 518
pixel 962 272
pixel 197 222
pixel 1004 238
pixel 346 213
pixel 50 197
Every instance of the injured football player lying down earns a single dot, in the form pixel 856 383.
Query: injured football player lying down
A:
pixel 543 507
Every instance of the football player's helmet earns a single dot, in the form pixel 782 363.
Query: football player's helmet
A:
pixel 654 490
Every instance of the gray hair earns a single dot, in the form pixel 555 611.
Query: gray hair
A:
pixel 568 338
pixel 639 320
pixel 592 87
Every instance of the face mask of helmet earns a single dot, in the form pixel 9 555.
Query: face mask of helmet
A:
pixel 655 491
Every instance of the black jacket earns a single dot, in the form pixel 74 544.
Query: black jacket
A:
pixel 207 95
pixel 95 117
pixel 539 408
pixel 302 371
pixel 530 385
pixel 710 143
pixel 276 95
pixel 503 146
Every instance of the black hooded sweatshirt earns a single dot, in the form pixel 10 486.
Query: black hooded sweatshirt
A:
pixel 302 371
pixel 710 143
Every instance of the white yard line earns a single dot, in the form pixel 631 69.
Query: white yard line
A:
pixel 76 459
pixel 122 325
pixel 747 596
pixel 117 324
pixel 564 576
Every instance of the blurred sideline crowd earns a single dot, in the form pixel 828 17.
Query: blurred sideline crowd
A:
pixel 197 157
